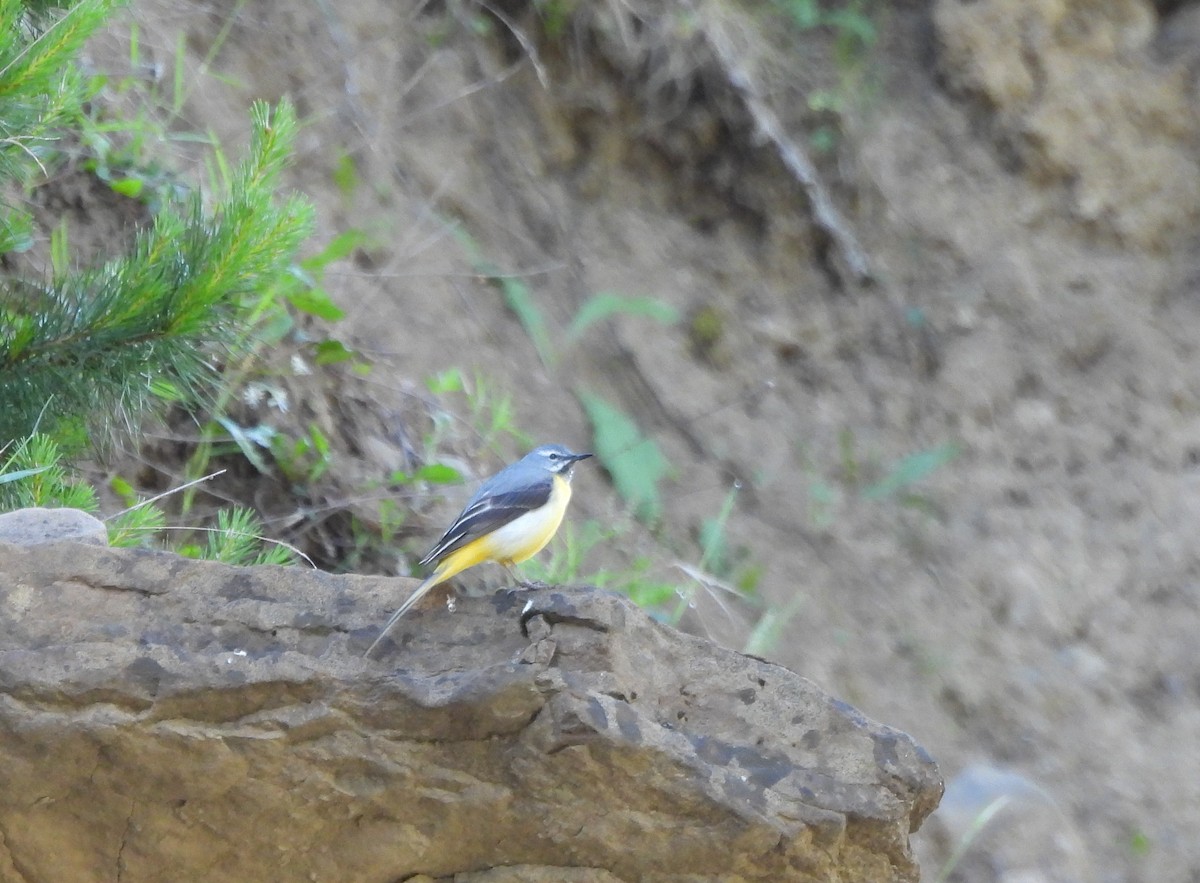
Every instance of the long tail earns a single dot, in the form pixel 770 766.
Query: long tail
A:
pixel 438 576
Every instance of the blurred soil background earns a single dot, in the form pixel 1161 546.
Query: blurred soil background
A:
pixel 957 486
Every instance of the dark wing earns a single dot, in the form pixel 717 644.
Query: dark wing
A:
pixel 495 505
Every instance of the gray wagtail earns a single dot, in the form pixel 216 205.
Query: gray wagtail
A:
pixel 510 518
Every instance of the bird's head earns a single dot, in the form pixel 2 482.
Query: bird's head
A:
pixel 555 459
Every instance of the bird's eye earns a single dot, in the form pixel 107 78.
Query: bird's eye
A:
pixel 554 456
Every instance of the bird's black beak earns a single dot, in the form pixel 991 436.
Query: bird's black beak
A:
pixel 575 458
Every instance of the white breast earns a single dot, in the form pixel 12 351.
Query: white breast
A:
pixel 524 537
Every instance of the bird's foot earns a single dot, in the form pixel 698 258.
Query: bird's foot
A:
pixel 523 585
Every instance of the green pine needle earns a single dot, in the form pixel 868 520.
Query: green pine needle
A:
pixel 92 345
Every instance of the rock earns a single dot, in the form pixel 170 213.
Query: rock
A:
pixel 168 719
pixel 28 527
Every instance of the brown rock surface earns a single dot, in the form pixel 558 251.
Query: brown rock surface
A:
pixel 166 719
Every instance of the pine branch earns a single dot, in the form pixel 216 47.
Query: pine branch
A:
pixel 97 343
pixel 39 87
pixel 39 84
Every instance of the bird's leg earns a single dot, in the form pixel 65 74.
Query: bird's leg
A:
pixel 518 581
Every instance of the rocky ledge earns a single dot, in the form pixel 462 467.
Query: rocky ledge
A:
pixel 168 719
